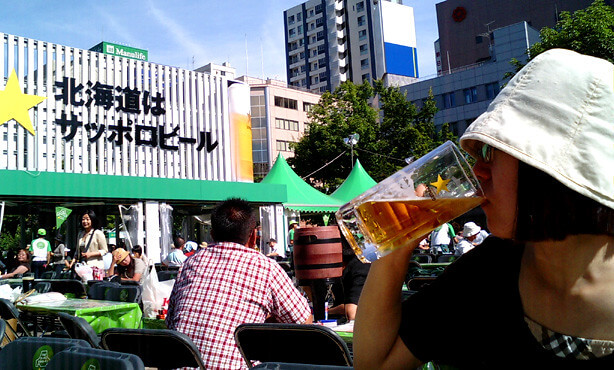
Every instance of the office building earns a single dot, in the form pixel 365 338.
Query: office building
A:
pixel 466 27
pixel 332 41
pixel 279 118
pixel 463 95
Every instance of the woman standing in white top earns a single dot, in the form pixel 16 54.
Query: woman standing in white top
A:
pixel 92 244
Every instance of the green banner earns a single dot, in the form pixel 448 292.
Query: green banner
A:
pixel 61 214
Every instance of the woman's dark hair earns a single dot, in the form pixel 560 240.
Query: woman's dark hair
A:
pixel 233 220
pixel 137 249
pixel 549 210
pixel 26 252
pixel 95 221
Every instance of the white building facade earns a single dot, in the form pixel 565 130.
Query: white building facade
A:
pixel 332 41
pixel 83 128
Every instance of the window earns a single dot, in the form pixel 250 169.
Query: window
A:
pixel 301 55
pixel 322 63
pixel 323 77
pixel 285 103
pixel 448 100
pixel 313 39
pixel 299 17
pixel 362 34
pixel 321 49
pixel 492 89
pixel 364 64
pixel 307 106
pixel 301 42
pixel 320 35
pixel 364 49
pixel 286 124
pixel 366 77
pixel 314 52
pixel 471 95
pixel 319 8
pixel 361 21
pixel 299 30
pixel 360 6
pixel 311 13
pixel 319 22
pixel 291 32
pixel 291 19
pixel 283 146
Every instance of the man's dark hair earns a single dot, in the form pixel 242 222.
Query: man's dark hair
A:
pixel 233 220
pixel 549 210
pixel 179 242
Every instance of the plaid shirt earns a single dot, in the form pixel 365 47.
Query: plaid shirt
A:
pixel 223 286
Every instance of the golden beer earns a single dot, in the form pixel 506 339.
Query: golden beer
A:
pixel 406 206
pixel 391 224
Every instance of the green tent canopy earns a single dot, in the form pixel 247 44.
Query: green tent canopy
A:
pixel 301 195
pixel 356 183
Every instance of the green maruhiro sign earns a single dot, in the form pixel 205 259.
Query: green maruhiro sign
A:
pixel 121 51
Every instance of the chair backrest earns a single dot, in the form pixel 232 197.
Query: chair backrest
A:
pixel 160 348
pixel 96 359
pixel 291 343
pixel 290 366
pixel 124 293
pixel 8 311
pixel 42 287
pixel 446 258
pixel 49 275
pixel 422 258
pixel 79 328
pixel 34 352
pixel 98 289
pixel 165 275
pixel 3 335
pixel 69 286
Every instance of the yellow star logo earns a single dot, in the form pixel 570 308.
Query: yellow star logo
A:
pixel 14 104
pixel 441 184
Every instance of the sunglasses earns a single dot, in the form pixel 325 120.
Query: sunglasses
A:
pixel 486 153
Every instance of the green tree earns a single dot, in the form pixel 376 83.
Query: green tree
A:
pixel 588 31
pixel 395 131
pixel 336 116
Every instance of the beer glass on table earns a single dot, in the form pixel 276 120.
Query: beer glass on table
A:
pixel 406 206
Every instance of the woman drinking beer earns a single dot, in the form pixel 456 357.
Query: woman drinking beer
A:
pixel 540 292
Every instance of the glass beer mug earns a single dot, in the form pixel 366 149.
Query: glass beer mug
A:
pixel 406 206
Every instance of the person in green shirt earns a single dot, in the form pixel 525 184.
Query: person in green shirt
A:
pixel 40 249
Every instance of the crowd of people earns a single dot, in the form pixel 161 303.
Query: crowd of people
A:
pixel 450 238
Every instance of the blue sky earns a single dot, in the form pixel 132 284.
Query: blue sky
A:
pixel 186 33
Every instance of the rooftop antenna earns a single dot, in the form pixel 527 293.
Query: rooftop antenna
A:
pixel 246 57
pixel 261 59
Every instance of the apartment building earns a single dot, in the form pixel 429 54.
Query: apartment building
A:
pixel 332 41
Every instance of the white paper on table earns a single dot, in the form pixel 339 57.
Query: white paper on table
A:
pixel 44 298
pixel 347 327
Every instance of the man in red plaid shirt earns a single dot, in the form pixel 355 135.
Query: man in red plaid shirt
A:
pixel 227 284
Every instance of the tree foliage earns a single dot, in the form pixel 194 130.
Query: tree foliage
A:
pixel 587 31
pixel 388 134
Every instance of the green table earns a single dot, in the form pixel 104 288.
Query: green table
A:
pixel 100 315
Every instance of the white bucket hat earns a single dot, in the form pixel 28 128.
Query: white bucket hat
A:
pixel 556 114
pixel 470 229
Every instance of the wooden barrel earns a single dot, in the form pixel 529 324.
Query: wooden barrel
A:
pixel 317 253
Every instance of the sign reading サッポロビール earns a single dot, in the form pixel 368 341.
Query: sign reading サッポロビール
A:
pixel 65 109
pixel 120 51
